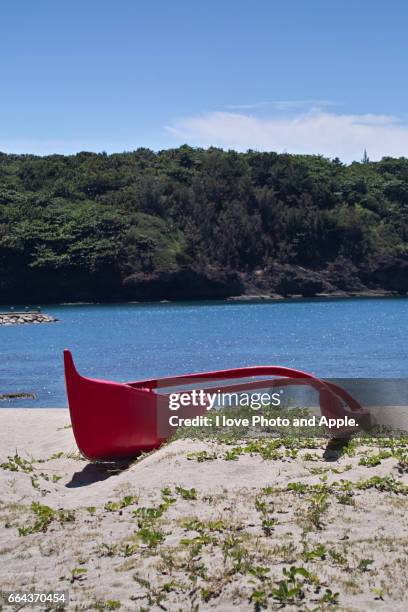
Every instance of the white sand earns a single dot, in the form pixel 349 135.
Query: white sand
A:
pixel 216 572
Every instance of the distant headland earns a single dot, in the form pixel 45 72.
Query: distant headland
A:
pixel 196 224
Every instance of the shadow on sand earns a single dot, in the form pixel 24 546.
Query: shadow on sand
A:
pixel 96 472
pixel 335 447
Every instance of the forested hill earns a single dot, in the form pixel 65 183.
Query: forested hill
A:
pixel 192 224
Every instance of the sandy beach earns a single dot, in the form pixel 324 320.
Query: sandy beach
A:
pixel 201 525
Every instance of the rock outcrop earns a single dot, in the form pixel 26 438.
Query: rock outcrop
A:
pixel 23 318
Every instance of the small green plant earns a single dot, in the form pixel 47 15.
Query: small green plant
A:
pixel 339 470
pixel 297 487
pixel 201 456
pixel 193 525
pixel 200 541
pixel 44 517
pixel 384 483
pixel 202 526
pixel 233 550
pixel 109 604
pixel 167 497
pixel 129 549
pixel 317 507
pixel 379 594
pixel 128 500
pixel 261 505
pixel 317 471
pixel 286 593
pixel 216 525
pixel 35 482
pixel 311 457
pixel 151 537
pixel 57 455
pixel 290 589
pixel 91 509
pixel 148 514
pixel 205 594
pixel 364 565
pixel 319 552
pixel 330 598
pixel 350 448
pixel 373 460
pixel 75 455
pixel 190 494
pixel 338 558
pixel 78 574
pixel 107 550
pixel 112 604
pixel 259 599
pixel 346 499
pixel 232 454
pixel 259 571
pixel 154 596
pixel 169 587
pixel 17 464
pixel 268 525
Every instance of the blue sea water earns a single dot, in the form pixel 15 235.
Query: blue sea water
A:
pixel 124 342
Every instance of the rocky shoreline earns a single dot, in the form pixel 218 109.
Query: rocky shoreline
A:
pixel 341 278
pixel 24 318
pixel 277 281
pixel 274 297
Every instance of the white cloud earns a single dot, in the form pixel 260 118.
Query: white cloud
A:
pixel 317 132
pixel 283 105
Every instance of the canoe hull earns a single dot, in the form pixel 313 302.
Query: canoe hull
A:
pixel 110 420
pixel 113 420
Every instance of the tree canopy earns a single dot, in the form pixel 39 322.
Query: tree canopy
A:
pixel 83 226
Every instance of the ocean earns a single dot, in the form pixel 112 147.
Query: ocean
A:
pixel 362 337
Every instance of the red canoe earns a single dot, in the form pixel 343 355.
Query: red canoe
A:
pixel 113 420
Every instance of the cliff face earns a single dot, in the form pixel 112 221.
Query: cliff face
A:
pixel 389 276
pixel 279 280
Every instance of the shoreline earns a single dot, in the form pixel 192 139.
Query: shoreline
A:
pixel 245 299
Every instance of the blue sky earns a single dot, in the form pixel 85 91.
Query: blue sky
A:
pixel 297 75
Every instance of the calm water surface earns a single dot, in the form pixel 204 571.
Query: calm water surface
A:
pixel 330 338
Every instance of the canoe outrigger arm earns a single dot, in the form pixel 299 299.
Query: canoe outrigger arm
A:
pixel 112 420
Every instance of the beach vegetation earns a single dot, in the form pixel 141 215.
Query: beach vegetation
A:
pixel 318 506
pixel 109 604
pixel 373 460
pixel 44 516
pixel 16 463
pixel 364 565
pixel 189 494
pixel 201 456
pixel 128 550
pixel 150 536
pixel 155 595
pixel 319 552
pixel 78 574
pixel 57 455
pixel 126 501
pixel 107 550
